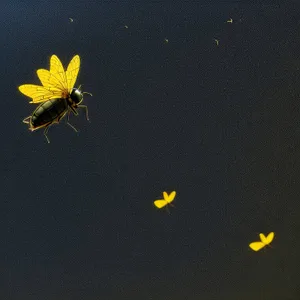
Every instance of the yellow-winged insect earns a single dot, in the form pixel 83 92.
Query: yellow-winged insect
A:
pixel 167 200
pixel 264 241
pixel 57 95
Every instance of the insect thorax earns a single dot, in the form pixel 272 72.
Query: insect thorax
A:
pixel 76 97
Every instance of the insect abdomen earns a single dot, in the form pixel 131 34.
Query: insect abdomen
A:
pixel 48 112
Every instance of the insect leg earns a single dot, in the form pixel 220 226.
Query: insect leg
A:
pixel 68 117
pixel 27 120
pixel 45 133
pixel 86 111
pixel 74 111
pixel 72 127
pixel 67 120
pixel 167 209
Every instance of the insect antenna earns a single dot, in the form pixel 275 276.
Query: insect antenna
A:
pixel 79 88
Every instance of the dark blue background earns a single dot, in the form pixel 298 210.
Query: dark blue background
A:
pixel 218 124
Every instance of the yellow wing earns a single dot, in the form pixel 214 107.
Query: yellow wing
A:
pixel 166 196
pixel 50 80
pixel 160 203
pixel 267 239
pixel 57 70
pixel 270 237
pixel 72 72
pixel 57 77
pixel 172 196
pixel 256 246
pixel 55 82
pixel 169 198
pixel 39 93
